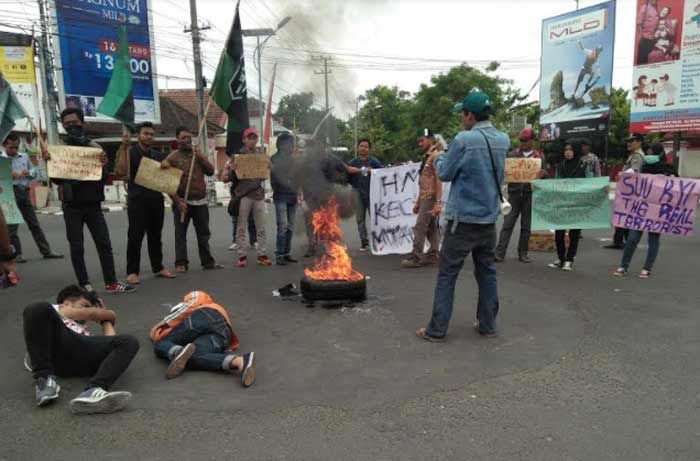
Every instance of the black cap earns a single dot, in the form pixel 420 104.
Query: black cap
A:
pixel 635 137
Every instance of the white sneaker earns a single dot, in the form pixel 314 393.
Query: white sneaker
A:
pixel 233 247
pixel 98 400
pixel 567 266
pixel 555 265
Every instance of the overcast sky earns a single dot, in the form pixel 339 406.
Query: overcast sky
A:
pixel 370 42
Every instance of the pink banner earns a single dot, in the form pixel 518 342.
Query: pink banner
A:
pixel 656 203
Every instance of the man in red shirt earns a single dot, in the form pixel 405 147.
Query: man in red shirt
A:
pixel 520 198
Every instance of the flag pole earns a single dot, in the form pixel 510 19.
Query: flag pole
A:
pixel 194 155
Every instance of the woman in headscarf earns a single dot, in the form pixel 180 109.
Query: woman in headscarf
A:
pixel 572 166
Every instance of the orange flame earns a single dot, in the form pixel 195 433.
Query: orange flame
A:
pixel 335 264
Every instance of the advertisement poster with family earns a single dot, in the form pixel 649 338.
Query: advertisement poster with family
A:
pixel 577 64
pixel 666 87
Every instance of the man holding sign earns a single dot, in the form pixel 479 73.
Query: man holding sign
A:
pixel 427 205
pixel 82 205
pixel 145 207
pixel 251 196
pixel 520 198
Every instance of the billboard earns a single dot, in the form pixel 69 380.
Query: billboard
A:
pixel 666 75
pixel 576 72
pixel 17 65
pixel 87 43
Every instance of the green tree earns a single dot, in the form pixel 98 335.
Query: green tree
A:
pixel 297 110
pixel 433 103
pixel 618 129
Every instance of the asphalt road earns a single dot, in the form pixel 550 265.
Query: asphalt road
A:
pixel 587 367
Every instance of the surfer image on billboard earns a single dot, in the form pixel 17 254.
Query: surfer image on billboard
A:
pixel 576 69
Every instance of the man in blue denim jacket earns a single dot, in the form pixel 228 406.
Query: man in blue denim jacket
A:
pixel 472 209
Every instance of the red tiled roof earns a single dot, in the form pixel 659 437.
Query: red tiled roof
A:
pixel 187 98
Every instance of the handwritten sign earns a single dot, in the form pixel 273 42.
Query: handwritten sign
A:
pixel 655 203
pixel 522 169
pixel 252 166
pixel 75 162
pixel 570 204
pixel 151 176
pixel 392 193
pixel 7 194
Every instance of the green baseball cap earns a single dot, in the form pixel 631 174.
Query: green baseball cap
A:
pixel 476 102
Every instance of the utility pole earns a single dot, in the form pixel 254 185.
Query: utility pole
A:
pixel 198 78
pixel 49 99
pixel 257 62
pixel 325 73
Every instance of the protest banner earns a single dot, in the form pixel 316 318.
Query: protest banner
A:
pixel 570 204
pixel 655 203
pixel 151 176
pixel 392 194
pixel 576 69
pixel 522 169
pixel 252 166
pixel 7 193
pixel 75 162
pixel 665 79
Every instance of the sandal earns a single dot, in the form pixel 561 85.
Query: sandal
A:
pixel 181 269
pixel 619 272
pixel 423 334
pixel 166 274
pixel 133 279
pixel 644 274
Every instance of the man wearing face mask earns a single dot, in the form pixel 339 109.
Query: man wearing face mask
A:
pixel 194 206
pixel 82 205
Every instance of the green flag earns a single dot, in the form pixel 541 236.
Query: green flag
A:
pixel 10 108
pixel 229 90
pixel 118 101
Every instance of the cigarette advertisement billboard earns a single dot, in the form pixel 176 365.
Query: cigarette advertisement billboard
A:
pixel 86 41
pixel 576 72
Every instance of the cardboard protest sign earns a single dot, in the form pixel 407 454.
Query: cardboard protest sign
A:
pixel 151 176
pixel 522 169
pixel 75 162
pixel 392 194
pixel 7 194
pixel 252 166
pixel 656 203
pixel 570 204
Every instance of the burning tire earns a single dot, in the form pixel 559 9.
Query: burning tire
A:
pixel 333 290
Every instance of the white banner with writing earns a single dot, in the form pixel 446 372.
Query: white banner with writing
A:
pixel 392 193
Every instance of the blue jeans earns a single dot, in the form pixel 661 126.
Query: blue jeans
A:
pixel 285 213
pixel 459 241
pixel 633 239
pixel 251 229
pixel 210 333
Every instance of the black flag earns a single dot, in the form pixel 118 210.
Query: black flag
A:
pixel 229 90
